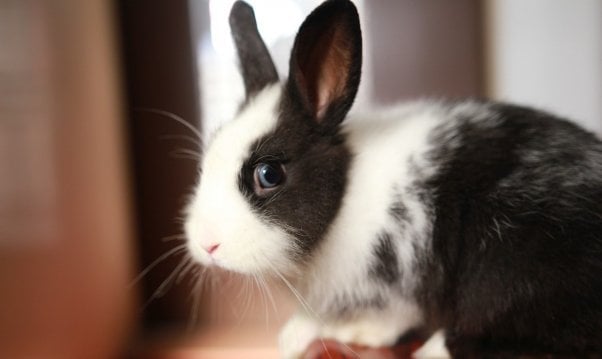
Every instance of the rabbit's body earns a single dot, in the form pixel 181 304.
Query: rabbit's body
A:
pixel 516 259
pixel 485 253
pixel 373 221
pixel 481 219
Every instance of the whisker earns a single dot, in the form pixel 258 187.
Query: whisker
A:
pixel 305 306
pixel 274 197
pixel 214 286
pixel 196 293
pixel 180 236
pixel 308 309
pixel 288 228
pixel 174 117
pixel 166 284
pixel 192 140
pixel 183 156
pixel 160 259
pixel 186 154
pixel 245 291
pixel 162 289
pixel 264 301
pixel 269 294
pixel 190 264
pixel 299 297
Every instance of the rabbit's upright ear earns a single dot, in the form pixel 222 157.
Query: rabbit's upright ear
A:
pixel 256 64
pixel 325 64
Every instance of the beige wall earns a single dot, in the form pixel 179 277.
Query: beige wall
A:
pixel 548 54
pixel 65 242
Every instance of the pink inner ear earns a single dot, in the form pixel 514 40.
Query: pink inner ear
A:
pixel 328 69
pixel 332 80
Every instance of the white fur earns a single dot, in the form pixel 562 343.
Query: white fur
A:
pixel 219 213
pixel 389 149
pixel 297 335
pixel 384 145
pixel 434 348
pixel 375 328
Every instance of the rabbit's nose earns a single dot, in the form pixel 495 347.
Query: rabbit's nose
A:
pixel 211 248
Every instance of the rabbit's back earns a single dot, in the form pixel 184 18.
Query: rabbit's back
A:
pixel 516 248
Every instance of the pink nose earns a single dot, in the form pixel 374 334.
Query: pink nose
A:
pixel 211 248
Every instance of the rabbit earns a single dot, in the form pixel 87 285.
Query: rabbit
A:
pixel 477 220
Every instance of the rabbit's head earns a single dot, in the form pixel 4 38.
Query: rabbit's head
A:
pixel 274 178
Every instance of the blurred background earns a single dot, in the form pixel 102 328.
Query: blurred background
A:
pixel 97 160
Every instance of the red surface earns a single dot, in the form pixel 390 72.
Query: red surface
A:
pixel 255 343
pixel 329 349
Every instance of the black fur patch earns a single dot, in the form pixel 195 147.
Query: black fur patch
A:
pixel 385 267
pixel 258 69
pixel 316 166
pixel 307 141
pixel 347 307
pixel 399 212
pixel 517 237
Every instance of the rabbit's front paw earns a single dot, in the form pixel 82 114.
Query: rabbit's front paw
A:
pixel 362 332
pixel 296 336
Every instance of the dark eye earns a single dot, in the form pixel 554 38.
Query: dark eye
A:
pixel 268 176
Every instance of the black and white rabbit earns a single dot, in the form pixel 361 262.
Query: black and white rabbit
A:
pixel 478 218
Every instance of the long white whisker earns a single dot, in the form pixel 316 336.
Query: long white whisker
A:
pixel 189 152
pixel 264 301
pixel 214 286
pixel 174 117
pixel 242 297
pixel 165 285
pixel 190 263
pixel 305 306
pixel 160 259
pixel 196 293
pixel 269 294
pixel 186 154
pixel 162 289
pixel 174 237
pixel 183 137
pixel 274 197
pixel 299 297
pixel 308 309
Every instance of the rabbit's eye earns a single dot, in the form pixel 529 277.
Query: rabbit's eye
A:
pixel 268 176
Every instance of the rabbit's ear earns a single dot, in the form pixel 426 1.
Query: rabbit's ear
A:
pixel 326 61
pixel 256 64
